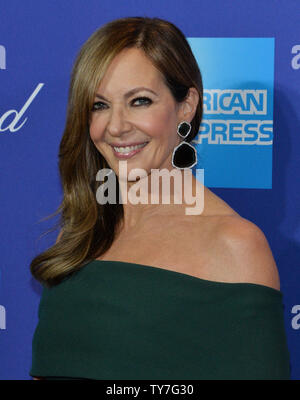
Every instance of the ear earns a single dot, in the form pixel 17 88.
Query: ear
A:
pixel 189 106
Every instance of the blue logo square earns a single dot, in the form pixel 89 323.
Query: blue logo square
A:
pixel 235 140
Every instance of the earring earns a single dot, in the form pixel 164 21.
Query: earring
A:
pixel 184 155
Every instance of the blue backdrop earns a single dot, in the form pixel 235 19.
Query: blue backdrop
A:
pixel 249 55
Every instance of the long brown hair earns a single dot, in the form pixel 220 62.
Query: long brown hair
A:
pixel 88 228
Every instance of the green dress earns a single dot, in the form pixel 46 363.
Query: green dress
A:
pixel 120 320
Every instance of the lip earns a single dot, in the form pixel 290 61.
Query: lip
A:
pixel 129 155
pixel 125 144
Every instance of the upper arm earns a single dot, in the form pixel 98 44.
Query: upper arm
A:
pixel 247 254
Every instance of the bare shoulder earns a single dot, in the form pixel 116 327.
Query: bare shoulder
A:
pixel 244 252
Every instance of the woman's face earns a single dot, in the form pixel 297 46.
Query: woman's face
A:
pixel 124 114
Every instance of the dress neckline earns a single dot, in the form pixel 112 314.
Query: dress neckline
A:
pixel 186 276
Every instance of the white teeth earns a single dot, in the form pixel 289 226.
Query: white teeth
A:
pixel 128 149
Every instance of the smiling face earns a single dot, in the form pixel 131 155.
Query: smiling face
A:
pixel 134 106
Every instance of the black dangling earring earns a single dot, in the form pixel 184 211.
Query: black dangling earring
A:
pixel 184 155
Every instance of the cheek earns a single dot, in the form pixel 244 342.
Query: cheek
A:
pixel 96 130
pixel 160 125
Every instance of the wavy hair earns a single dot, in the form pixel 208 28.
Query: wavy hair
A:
pixel 87 228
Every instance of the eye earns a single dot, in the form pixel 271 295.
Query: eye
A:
pixel 144 100
pixel 98 106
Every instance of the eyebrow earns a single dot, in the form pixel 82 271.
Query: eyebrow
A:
pixel 130 93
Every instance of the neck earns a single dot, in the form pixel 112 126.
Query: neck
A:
pixel 168 192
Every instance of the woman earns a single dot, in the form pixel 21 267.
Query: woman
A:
pixel 146 291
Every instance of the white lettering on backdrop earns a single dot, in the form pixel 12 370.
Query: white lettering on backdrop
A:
pixel 12 126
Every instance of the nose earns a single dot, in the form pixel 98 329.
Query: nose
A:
pixel 118 123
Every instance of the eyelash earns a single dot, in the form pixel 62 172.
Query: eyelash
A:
pixel 149 101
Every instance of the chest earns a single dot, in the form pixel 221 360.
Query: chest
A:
pixel 177 246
